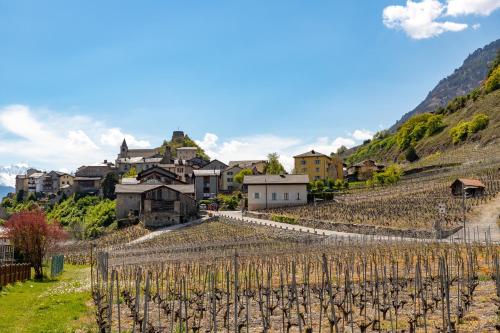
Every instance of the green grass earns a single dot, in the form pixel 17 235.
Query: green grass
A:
pixel 53 306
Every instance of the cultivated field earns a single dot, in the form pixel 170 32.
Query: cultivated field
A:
pixel 294 284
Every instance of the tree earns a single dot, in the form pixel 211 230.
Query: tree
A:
pixel 411 154
pixel 274 167
pixel 131 173
pixel 32 197
pixel 240 175
pixel 32 236
pixel 20 196
pixel 108 185
pixel 342 149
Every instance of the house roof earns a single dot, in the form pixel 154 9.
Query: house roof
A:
pixel 275 179
pixel 141 188
pixel 87 178
pixel 136 188
pixel 129 180
pixel 216 161
pixel 160 169
pixel 37 174
pixel 470 182
pixel 311 153
pixel 208 172
pixel 245 163
pixel 183 188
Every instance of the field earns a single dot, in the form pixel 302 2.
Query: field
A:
pixel 412 204
pixel 278 283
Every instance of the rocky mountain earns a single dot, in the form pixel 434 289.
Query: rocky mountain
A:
pixel 463 80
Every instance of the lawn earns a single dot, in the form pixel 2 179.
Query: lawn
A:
pixel 53 306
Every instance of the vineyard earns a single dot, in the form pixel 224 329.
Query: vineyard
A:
pixel 296 284
pixel 411 204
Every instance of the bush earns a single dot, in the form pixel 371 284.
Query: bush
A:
pixel 391 175
pixel 478 123
pixel 283 219
pixel 459 133
pixel 434 125
pixel 411 154
pixel 98 217
pixel 493 81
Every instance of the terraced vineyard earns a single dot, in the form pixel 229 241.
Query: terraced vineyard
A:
pixel 295 284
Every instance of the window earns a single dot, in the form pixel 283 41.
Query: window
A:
pixel 317 162
pixel 285 196
pixel 303 162
pixel 298 196
pixel 274 196
pixel 317 169
pixel 229 173
pixel 230 180
pixel 256 195
pixel 317 177
pixel 304 169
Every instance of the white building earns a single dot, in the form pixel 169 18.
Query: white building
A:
pixel 272 191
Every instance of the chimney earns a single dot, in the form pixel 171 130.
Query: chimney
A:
pixel 105 161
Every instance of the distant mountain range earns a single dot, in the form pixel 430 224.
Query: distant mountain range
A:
pixel 463 80
pixel 4 190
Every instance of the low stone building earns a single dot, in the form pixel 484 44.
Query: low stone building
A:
pixel 273 191
pixel 472 187
pixel 155 205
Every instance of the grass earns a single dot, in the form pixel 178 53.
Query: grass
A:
pixel 60 305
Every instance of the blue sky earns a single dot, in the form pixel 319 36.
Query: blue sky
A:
pixel 245 78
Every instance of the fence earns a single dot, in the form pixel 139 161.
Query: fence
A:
pixel 56 265
pixel 13 273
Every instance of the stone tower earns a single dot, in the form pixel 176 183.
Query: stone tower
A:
pixel 124 149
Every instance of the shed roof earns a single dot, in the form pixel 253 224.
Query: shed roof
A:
pixel 275 179
pixel 182 188
pixel 87 178
pixel 470 182
pixel 136 188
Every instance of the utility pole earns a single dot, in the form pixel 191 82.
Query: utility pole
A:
pixel 463 209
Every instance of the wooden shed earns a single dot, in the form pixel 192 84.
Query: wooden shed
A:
pixel 472 187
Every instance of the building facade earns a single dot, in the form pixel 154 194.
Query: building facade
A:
pixel 206 183
pixel 273 191
pixel 318 166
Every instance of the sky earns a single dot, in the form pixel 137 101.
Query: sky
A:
pixel 243 78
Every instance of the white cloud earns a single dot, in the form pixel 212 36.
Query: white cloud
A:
pixel 472 7
pixel 51 140
pixel 258 146
pixel 476 26
pixel 114 137
pixel 419 19
pixel 362 134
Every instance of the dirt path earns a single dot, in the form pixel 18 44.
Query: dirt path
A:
pixel 484 218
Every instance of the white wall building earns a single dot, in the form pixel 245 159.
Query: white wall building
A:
pixel 272 191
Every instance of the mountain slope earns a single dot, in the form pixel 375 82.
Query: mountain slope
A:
pixel 463 80
pixel 8 173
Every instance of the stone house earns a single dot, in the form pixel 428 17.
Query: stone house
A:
pixel 186 153
pixel 273 191
pixel 259 166
pixel 155 205
pixel 88 178
pixel 160 175
pixel 364 170
pixel 228 184
pixel 215 165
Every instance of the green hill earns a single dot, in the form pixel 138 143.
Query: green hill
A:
pixel 179 139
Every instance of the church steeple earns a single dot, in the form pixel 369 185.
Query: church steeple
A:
pixel 124 149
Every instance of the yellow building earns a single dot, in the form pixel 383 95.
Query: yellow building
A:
pixel 318 166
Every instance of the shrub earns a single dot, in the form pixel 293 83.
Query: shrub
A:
pixel 98 217
pixel 411 154
pixel 459 133
pixel 434 124
pixel 391 175
pixel 283 219
pixel 493 81
pixel 478 123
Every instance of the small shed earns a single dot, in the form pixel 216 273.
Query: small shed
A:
pixel 472 187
